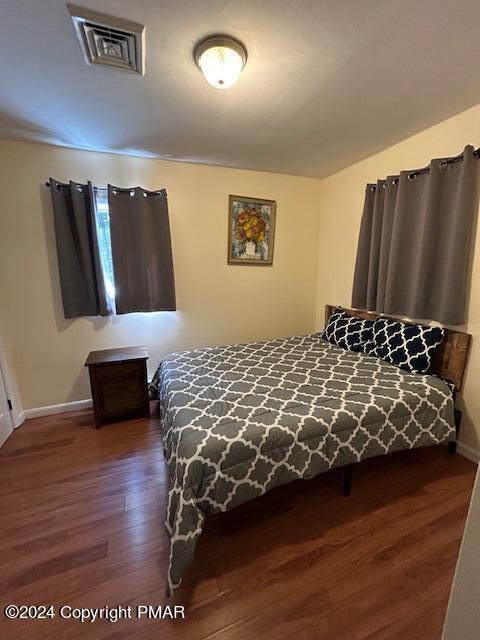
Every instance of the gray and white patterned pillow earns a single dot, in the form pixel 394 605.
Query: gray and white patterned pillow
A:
pixel 408 346
pixel 348 332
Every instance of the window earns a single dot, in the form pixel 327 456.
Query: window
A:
pixel 105 246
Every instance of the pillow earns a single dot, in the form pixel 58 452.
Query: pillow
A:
pixel 408 346
pixel 348 332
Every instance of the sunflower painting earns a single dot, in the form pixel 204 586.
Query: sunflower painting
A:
pixel 251 228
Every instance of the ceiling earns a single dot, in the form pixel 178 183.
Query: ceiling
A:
pixel 326 83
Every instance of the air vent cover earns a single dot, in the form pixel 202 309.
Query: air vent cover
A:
pixel 109 41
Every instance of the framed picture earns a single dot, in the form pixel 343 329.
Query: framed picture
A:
pixel 251 230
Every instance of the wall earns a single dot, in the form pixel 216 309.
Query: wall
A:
pixel 463 614
pixel 341 210
pixel 217 303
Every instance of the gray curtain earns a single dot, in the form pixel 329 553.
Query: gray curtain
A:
pixel 81 276
pixel 141 250
pixel 413 254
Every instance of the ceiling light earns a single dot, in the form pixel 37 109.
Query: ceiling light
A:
pixel 221 60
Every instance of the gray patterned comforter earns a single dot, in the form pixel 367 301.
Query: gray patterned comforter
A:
pixel 240 420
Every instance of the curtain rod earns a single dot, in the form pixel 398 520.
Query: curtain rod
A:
pixel 66 184
pixel 418 172
pixel 116 189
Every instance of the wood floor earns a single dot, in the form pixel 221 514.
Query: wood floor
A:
pixel 81 524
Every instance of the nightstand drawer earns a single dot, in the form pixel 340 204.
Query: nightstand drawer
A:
pixel 122 388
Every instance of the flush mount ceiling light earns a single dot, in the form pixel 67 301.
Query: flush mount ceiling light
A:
pixel 221 60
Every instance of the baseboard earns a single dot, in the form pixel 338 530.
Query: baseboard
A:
pixel 38 412
pixel 468 452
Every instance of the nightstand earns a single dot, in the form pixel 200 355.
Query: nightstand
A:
pixel 118 379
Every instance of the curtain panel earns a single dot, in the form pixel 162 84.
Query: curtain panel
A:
pixel 414 247
pixel 81 276
pixel 141 250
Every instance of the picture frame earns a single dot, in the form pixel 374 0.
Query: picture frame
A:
pixel 251 230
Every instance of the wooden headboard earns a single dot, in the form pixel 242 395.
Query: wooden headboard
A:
pixel 449 360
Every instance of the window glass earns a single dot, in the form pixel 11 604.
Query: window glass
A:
pixel 105 246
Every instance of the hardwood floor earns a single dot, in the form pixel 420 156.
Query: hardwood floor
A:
pixel 81 524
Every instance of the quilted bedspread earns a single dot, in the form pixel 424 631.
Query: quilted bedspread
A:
pixel 242 419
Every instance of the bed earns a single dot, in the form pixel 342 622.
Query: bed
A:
pixel 239 420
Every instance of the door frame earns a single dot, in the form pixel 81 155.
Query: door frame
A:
pixel 4 385
pixel 17 416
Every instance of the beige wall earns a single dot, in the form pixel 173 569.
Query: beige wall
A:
pixel 341 210
pixel 217 303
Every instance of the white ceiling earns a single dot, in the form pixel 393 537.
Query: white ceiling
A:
pixel 327 82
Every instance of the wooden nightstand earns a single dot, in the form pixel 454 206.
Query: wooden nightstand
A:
pixel 118 379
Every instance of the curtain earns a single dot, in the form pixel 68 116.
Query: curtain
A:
pixel 141 250
pixel 413 256
pixel 81 276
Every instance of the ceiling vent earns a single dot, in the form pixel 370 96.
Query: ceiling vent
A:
pixel 109 41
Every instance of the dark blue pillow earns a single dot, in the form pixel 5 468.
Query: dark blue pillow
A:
pixel 348 332
pixel 408 346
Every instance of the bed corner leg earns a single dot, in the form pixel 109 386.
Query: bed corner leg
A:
pixel 347 480
pixel 452 446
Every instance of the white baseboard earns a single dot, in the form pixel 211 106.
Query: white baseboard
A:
pixel 38 412
pixel 468 452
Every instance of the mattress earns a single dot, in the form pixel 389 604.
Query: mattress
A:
pixel 240 420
